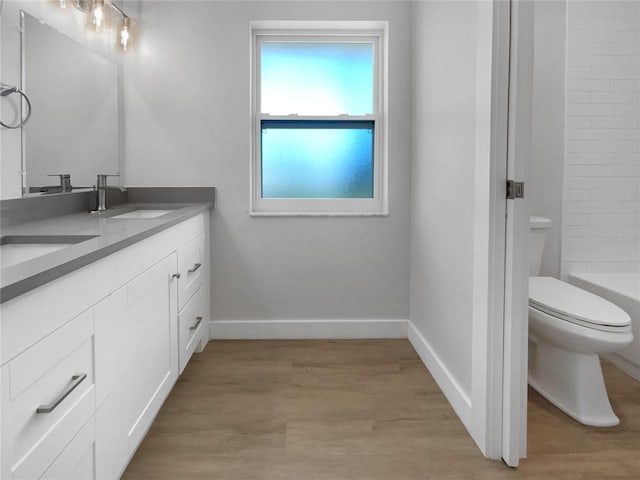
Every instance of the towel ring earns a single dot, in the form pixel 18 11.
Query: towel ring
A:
pixel 5 91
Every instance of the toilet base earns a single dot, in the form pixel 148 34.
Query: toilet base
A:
pixel 571 381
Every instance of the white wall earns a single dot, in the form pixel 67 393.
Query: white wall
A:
pixel 602 200
pixel 545 180
pixel 188 123
pixel 452 65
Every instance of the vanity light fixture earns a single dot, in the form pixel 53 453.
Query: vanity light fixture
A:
pixel 99 16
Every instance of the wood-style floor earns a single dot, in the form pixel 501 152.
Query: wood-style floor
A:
pixel 357 410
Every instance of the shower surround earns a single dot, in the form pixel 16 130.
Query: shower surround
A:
pixel 601 214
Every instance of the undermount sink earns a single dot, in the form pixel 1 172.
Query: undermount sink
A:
pixel 16 249
pixel 143 213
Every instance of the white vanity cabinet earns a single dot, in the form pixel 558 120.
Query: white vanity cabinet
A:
pixel 98 351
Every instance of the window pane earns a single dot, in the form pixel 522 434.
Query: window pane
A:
pixel 316 78
pixel 317 159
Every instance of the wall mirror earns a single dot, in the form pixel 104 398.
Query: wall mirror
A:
pixel 73 127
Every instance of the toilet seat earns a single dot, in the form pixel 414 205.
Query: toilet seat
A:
pixel 572 304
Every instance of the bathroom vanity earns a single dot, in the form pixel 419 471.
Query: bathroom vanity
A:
pixel 94 333
pixel 99 313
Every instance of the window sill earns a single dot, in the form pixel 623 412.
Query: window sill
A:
pixel 319 214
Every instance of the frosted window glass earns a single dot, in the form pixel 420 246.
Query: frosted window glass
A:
pixel 316 78
pixel 317 159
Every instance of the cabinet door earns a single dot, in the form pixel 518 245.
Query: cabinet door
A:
pixel 136 362
pixel 150 344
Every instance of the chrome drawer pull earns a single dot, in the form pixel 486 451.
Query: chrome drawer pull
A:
pixel 175 275
pixel 75 381
pixel 195 267
pixel 197 324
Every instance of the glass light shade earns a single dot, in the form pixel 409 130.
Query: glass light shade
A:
pixel 125 34
pixel 99 16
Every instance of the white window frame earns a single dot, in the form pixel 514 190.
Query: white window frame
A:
pixel 333 31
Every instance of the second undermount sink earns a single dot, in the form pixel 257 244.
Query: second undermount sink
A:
pixel 16 249
pixel 143 213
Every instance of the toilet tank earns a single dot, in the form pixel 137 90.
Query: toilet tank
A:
pixel 538 232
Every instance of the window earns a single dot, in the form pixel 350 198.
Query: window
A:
pixel 318 133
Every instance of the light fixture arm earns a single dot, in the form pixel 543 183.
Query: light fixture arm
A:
pixel 119 10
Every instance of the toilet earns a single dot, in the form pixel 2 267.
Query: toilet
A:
pixel 568 329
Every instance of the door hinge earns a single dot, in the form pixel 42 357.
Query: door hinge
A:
pixel 515 189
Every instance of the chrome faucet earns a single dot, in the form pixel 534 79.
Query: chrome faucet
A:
pixel 102 188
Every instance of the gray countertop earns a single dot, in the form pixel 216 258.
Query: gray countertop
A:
pixel 111 234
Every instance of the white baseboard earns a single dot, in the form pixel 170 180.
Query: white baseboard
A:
pixel 457 397
pixel 306 329
pixel 625 365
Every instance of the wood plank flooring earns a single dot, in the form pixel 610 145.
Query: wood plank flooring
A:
pixel 357 410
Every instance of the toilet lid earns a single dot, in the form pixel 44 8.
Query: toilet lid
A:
pixel 571 303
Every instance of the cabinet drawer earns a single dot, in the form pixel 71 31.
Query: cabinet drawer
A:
pixel 192 267
pixel 48 394
pixel 193 322
pixel 78 460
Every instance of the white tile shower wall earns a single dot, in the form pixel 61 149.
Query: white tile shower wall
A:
pixel 601 228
